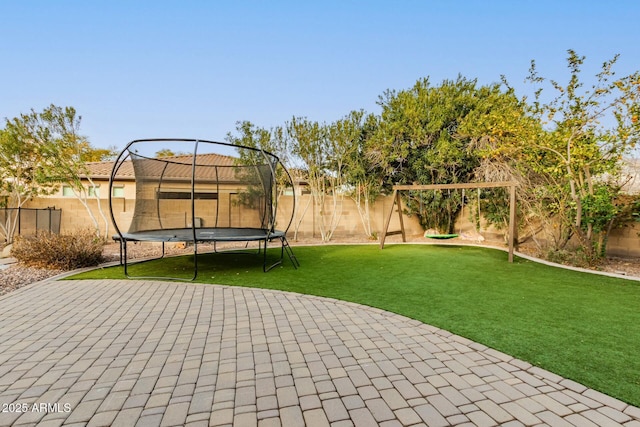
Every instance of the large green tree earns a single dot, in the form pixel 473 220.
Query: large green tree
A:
pixel 349 172
pixel 570 165
pixel 274 141
pixel 312 151
pixel 363 178
pixel 419 141
pixel 500 127
pixel 31 148
pixel 565 152
pixel 589 131
pixel 39 151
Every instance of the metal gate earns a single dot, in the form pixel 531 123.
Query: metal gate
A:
pixel 28 221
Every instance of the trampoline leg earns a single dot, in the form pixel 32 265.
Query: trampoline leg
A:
pixel 195 259
pixel 290 254
pixel 125 264
pixel 125 257
pixel 284 247
pixel 264 265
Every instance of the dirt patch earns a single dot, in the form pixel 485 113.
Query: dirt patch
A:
pixel 624 266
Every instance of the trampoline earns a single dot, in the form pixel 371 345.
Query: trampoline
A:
pixel 208 192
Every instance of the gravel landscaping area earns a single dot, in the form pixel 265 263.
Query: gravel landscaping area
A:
pixel 15 276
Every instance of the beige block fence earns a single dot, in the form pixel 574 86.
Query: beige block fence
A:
pixel 624 242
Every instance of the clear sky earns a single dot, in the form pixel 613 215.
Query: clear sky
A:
pixel 192 69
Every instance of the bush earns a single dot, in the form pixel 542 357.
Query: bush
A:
pixel 576 258
pixel 59 251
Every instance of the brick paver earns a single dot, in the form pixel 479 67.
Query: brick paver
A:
pixel 155 353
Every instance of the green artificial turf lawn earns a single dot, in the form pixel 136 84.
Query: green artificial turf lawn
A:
pixel 581 326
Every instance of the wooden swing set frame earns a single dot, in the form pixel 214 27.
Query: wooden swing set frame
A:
pixel 471 185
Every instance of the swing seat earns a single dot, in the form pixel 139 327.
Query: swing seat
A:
pixel 440 236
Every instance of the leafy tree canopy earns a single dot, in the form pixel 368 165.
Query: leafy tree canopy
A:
pixel 566 152
pixel 427 135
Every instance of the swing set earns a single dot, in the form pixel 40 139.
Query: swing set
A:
pixel 480 185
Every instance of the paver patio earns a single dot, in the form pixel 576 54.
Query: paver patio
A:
pixel 143 353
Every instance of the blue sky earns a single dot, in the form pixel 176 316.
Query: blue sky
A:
pixel 191 69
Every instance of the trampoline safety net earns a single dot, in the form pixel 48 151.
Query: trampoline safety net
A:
pixel 207 191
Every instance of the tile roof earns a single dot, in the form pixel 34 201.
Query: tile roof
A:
pixel 210 167
pixel 102 170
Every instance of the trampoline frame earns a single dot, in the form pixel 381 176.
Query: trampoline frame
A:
pixel 194 234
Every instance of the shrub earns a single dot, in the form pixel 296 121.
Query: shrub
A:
pixel 59 251
pixel 576 258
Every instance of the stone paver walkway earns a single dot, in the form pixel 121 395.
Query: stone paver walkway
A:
pixel 126 353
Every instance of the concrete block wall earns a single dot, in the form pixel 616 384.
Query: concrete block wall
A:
pixel 623 242
pixel 307 218
pixel 74 214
